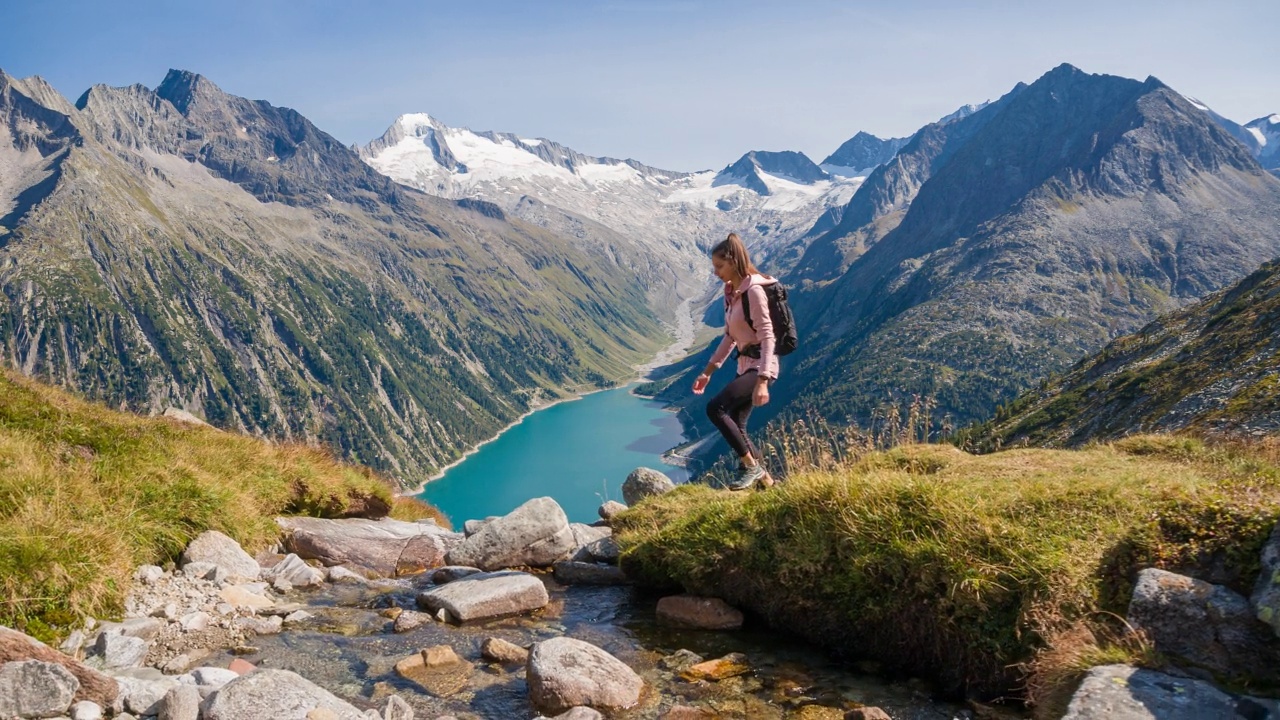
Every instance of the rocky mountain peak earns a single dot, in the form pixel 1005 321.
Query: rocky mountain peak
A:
pixel 864 151
pixel 788 164
pixel 184 89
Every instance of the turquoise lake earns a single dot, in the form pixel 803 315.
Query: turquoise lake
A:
pixel 578 452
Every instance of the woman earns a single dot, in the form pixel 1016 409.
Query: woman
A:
pixel 757 364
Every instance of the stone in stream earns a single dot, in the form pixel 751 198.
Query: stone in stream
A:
pixel 437 669
pixel 502 651
pixel 563 672
pixel 449 573
pixel 577 713
pixel 487 595
pixel 604 550
pixel 570 572
pixel 94 686
pixel 385 547
pixel 275 694
pixel 396 709
pixel 340 574
pixel 409 620
pixel 536 534
pixel 35 689
pixel 700 613
pixel 213 547
pixel 730 665
pixel 294 571
pixel 645 482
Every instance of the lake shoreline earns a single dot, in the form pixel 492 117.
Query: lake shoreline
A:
pixel 683 331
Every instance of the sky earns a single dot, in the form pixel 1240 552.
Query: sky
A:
pixel 677 84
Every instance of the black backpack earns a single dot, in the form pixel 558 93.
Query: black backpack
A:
pixel 784 323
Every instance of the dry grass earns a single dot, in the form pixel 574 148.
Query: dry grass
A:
pixel 87 494
pixel 964 567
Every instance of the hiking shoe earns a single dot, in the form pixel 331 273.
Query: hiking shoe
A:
pixel 747 477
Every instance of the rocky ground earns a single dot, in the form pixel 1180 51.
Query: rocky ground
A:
pixel 180 651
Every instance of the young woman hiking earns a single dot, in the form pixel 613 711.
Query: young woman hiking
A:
pixel 757 364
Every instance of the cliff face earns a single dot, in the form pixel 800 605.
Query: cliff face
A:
pixel 185 247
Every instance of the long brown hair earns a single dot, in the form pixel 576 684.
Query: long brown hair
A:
pixel 733 250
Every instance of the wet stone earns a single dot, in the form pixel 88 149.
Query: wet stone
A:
pixel 730 665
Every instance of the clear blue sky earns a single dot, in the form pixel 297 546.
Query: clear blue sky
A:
pixel 680 84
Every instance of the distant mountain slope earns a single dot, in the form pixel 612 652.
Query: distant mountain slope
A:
pixel 185 247
pixel 1068 212
pixel 1213 367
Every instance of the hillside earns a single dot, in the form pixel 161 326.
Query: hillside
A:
pixel 1213 368
pixel 87 494
pixel 183 247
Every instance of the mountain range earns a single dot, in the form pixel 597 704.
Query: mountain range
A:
pixel 186 248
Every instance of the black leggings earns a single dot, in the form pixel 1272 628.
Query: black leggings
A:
pixel 729 411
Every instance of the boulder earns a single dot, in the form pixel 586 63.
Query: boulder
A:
pixel 569 572
pixel 535 534
pixel 604 550
pixel 487 595
pixel 563 673
pixel 294 571
pixel 701 613
pixel 1201 624
pixel 115 652
pixel 276 694
pixel 609 509
pixel 1122 692
pixel 340 574
pixel 645 482
pixel 143 689
pixel 35 689
pixel 507 653
pixel 213 547
pixel 94 686
pixel 471 527
pixel 584 535
pixel 1266 592
pixel 382 546
pixel 180 703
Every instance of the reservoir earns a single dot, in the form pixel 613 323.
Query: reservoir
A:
pixel 578 452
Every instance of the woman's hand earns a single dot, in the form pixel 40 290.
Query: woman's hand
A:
pixel 761 394
pixel 700 383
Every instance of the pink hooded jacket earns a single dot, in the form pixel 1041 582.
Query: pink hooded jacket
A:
pixel 737 333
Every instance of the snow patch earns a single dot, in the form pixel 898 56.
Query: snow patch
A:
pixel 847 172
pixel 1258 135
pixel 1274 119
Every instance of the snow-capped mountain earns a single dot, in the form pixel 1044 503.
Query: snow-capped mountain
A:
pixel 1261 136
pixel 1266 132
pixel 864 152
pixel 772 198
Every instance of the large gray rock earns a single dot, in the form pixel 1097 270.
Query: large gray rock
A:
pixel 213 547
pixel 487 595
pixel 180 703
pixel 146 628
pixel 1201 624
pixel 610 509
pixel 563 673
pixel 94 686
pixel 275 694
pixel 1122 692
pixel 1266 593
pixel 385 547
pixel 115 652
pixel 295 571
pixel 143 689
pixel 36 689
pixel 535 534
pixel 604 550
pixel 645 482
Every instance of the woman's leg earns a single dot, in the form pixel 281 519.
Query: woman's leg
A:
pixel 729 410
